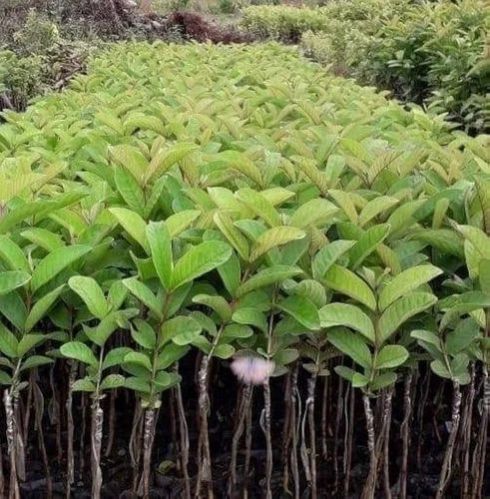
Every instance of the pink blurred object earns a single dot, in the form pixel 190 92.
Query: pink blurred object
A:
pixel 252 370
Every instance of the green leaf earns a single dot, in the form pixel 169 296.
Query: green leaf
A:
pixel 41 307
pixel 408 280
pixel 328 255
pixel 12 306
pixel 5 379
pixel 182 330
pixel 83 385
pixel 368 242
pixel 137 384
pixel 238 161
pixel 56 261
pixel 272 275
pixel 79 351
pixel 250 316
pixel 466 302
pixel 236 331
pixel 130 158
pixel 199 260
pixel 462 336
pixel 346 282
pixel 224 351
pixel 117 294
pixel 12 279
pixel 260 206
pixel 170 354
pixel 358 380
pixel 112 381
pixel 161 251
pixel 144 295
pixel 277 236
pixel 100 334
pixel 115 357
pixel 301 309
pixel 484 276
pixel 165 380
pixel 345 314
pixel 130 190
pixel 314 212
pixel 376 206
pixel 8 342
pixel 178 222
pixel 133 224
pixel 35 361
pixel 232 234
pixel 352 345
pixel 286 356
pixel 139 359
pixel 383 380
pixel 43 238
pixel 391 356
pixel 13 255
pixel 440 369
pixel 144 334
pixel 216 303
pixel 230 273
pixel 29 341
pixel 91 293
pixel 427 337
pixel 168 157
pixel 401 310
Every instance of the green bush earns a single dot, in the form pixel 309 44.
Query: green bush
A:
pixel 37 36
pixel 236 200
pixel 436 54
pixel 431 53
pixel 20 78
pixel 288 23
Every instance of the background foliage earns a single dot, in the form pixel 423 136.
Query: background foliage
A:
pixel 183 204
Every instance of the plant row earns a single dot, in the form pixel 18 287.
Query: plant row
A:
pixel 435 53
pixel 238 202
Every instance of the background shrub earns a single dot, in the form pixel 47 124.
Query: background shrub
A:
pixel 431 53
pixel 436 53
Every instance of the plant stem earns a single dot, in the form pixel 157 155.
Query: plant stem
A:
pixel 386 442
pixel 405 426
pixel 338 421
pixel 324 418
pixel 267 414
pixel 184 438
pixel 96 432
pixel 369 486
pixel 135 442
pixel 286 432
pixel 349 438
pixel 95 446
pixel 479 453
pixel 310 407
pixel 248 444
pixel 70 429
pixel 466 430
pixel 81 467
pixel 268 440
pixel 56 414
pixel 446 470
pixel 38 414
pixel 148 438
pixel 205 465
pixel 14 492
pixel 244 402
pixel 112 414
pixel 295 424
